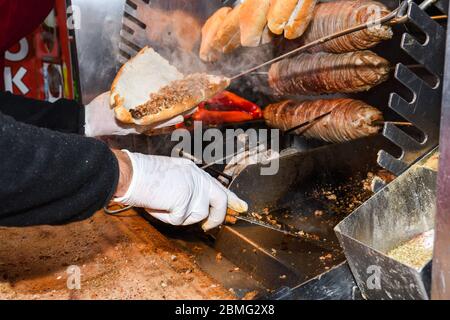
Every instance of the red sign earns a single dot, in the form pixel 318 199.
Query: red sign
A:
pixel 39 65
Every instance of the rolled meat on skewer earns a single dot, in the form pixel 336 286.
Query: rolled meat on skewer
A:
pixel 321 73
pixel 332 17
pixel 349 119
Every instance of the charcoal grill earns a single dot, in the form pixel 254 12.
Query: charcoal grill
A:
pixel 290 268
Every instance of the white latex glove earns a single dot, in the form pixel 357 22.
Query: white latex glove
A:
pixel 176 191
pixel 100 120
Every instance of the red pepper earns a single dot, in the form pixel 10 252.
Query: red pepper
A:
pixel 226 107
pixel 232 102
pixel 219 117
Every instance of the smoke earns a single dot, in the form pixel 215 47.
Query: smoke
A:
pixel 173 29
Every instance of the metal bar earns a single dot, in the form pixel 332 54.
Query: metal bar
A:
pixel 441 257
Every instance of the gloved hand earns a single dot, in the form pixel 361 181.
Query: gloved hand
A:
pixel 176 191
pixel 100 120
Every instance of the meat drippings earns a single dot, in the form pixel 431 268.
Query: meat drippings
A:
pixel 180 91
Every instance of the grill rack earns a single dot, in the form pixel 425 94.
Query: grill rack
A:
pixel 423 111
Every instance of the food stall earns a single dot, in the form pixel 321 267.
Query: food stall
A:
pixel 358 199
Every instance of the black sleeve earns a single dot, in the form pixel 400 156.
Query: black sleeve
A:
pixel 63 115
pixel 47 177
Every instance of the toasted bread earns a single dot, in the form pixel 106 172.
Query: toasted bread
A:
pixel 208 52
pixel 279 13
pixel 228 36
pixel 253 20
pixel 299 19
pixel 148 90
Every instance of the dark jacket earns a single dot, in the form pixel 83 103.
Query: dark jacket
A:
pixel 46 176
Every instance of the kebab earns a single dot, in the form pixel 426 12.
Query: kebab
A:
pixel 309 74
pixel 348 119
pixel 332 17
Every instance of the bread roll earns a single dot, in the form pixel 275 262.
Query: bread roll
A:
pixel 267 35
pixel 148 90
pixel 300 18
pixel 279 13
pixel 253 20
pixel 228 36
pixel 208 52
pixel 178 97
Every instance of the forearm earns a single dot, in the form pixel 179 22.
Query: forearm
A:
pixel 52 178
pixel 125 173
pixel 63 115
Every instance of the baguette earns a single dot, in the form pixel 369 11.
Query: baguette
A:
pixel 208 52
pixel 279 13
pixel 228 37
pixel 299 19
pixel 267 36
pixel 253 20
pixel 178 97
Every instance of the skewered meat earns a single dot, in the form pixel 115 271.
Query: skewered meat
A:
pixel 349 119
pixel 322 72
pixel 332 17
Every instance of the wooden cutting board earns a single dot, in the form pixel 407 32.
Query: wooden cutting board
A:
pixel 115 258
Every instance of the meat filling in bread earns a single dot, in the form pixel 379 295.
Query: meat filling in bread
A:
pixel 191 89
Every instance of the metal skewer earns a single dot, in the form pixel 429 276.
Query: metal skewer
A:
pixel 397 123
pixel 397 16
pixel 306 125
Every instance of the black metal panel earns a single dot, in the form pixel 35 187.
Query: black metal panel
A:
pixel 335 284
pixel 424 108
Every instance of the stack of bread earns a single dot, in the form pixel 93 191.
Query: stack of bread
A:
pixel 252 23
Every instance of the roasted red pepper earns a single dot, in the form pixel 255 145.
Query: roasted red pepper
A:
pixel 219 117
pixel 232 102
pixel 226 107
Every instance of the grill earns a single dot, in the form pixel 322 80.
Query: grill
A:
pixel 282 266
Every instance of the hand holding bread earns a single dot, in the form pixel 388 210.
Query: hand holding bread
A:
pixel 148 90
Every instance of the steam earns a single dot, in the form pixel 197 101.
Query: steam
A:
pixel 176 35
